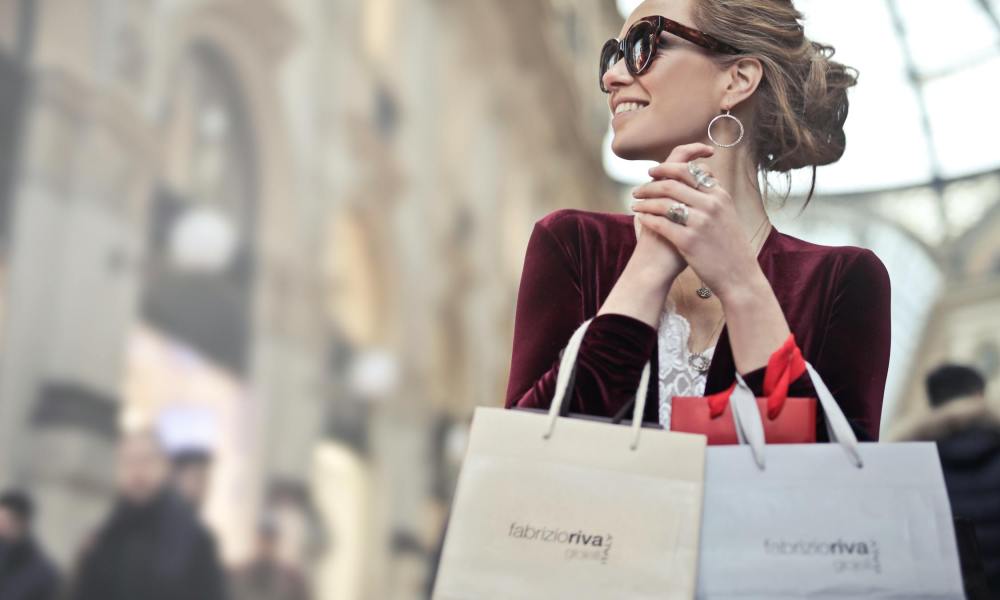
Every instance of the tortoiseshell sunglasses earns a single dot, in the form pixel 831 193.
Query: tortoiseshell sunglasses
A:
pixel 638 47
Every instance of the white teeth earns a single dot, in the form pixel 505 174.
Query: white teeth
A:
pixel 627 107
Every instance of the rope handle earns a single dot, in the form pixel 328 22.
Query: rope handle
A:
pixel 564 383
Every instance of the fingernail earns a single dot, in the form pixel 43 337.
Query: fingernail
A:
pixel 635 190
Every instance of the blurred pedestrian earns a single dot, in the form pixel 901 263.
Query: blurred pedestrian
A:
pixel 967 431
pixel 267 576
pixel 152 546
pixel 191 471
pixel 26 573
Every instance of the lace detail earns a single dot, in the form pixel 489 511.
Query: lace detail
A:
pixel 676 377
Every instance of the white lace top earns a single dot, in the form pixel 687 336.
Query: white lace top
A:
pixel 676 377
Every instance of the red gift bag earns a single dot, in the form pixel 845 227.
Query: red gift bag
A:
pixel 786 420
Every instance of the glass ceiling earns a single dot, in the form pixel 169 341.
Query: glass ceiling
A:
pixel 924 105
pixel 923 111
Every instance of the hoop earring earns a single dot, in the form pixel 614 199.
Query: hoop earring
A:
pixel 726 115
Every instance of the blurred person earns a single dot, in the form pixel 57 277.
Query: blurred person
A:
pixel 152 546
pixel 267 576
pixel 967 431
pixel 410 577
pixel 191 472
pixel 26 572
pixel 698 282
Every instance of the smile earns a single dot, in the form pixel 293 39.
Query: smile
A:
pixel 625 107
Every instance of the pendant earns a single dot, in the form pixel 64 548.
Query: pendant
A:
pixel 699 362
pixel 704 292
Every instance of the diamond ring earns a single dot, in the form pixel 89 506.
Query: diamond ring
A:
pixel 701 177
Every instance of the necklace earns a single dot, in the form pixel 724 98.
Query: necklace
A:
pixel 700 361
pixel 704 292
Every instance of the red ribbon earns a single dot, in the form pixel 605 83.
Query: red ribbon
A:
pixel 783 367
pixel 717 403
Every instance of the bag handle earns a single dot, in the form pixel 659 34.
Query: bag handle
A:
pixel 750 429
pixel 564 382
pixel 836 422
pixel 747 419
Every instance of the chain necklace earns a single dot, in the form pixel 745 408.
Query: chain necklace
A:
pixel 704 292
pixel 700 361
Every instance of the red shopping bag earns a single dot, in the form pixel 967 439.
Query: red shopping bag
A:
pixel 786 420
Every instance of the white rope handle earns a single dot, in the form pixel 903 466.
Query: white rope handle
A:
pixel 836 423
pixel 746 417
pixel 566 366
pixel 750 430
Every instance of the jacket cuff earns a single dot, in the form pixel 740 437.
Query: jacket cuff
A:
pixel 755 381
pixel 624 333
pixel 801 387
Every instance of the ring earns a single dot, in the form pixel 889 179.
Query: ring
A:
pixel 678 213
pixel 701 177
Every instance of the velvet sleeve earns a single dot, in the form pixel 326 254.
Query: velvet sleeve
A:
pixel 550 306
pixel 854 358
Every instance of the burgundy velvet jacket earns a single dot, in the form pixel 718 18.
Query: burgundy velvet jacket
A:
pixel 835 299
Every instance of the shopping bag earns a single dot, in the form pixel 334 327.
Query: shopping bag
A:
pixel 837 520
pixel 786 420
pixel 550 507
pixel 795 424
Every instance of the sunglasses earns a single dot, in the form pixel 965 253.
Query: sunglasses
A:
pixel 638 46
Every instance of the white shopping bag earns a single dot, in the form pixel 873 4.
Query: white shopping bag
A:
pixel 837 520
pixel 550 507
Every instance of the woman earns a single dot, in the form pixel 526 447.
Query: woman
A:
pixel 699 281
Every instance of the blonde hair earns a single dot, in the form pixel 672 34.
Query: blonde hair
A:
pixel 801 103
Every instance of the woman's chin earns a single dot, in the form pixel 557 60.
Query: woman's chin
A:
pixel 631 151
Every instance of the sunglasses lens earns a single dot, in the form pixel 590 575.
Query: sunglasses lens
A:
pixel 609 56
pixel 640 46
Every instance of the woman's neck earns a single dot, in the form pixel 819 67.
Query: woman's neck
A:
pixel 737 174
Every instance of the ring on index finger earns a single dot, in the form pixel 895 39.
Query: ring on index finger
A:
pixel 701 177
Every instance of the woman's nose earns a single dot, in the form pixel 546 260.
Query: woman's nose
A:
pixel 616 76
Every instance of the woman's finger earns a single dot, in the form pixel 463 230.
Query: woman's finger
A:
pixel 689 152
pixel 661 207
pixel 675 233
pixel 673 189
pixel 678 171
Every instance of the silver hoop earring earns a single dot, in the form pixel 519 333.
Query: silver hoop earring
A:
pixel 725 115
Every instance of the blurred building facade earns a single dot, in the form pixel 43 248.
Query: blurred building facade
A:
pixel 287 230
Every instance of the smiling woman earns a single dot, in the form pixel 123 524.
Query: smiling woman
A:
pixel 699 282
pixel 934 90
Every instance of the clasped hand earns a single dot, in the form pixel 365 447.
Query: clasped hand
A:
pixel 713 240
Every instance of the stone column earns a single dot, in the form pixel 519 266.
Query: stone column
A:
pixel 75 252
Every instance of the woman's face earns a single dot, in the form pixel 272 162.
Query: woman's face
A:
pixel 677 95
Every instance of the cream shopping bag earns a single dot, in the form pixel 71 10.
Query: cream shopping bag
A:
pixel 838 520
pixel 551 507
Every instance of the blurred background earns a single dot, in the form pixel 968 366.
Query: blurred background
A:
pixel 287 235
